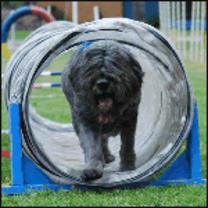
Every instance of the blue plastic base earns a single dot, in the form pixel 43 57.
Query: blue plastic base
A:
pixel 26 176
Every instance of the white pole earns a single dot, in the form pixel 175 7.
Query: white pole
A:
pixel 184 28
pixel 164 17
pixel 164 14
pixel 171 20
pixel 202 44
pixel 49 9
pixel 192 30
pixel 174 21
pixel 204 6
pixel 75 12
pixel 96 12
pixel 161 16
pixel 161 11
pixel 168 19
pixel 13 30
pixel 178 43
pixel 196 38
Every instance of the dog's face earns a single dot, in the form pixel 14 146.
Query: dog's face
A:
pixel 106 76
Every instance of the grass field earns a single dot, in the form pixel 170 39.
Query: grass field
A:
pixel 21 34
pixel 151 196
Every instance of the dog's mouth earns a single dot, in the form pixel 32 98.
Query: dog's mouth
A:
pixel 104 101
pixel 105 104
pixel 105 119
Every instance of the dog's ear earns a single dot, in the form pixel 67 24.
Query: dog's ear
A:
pixel 71 80
pixel 72 67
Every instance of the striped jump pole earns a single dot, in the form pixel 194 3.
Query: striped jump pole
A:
pixel 5 154
pixel 46 73
pixel 46 85
pixel 22 11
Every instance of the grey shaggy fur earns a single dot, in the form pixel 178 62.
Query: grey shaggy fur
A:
pixel 102 83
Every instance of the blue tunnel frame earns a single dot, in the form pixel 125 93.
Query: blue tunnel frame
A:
pixel 26 176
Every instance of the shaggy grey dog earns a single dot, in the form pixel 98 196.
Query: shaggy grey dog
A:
pixel 102 83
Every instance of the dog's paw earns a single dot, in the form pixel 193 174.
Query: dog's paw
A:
pixel 91 174
pixel 127 161
pixel 109 158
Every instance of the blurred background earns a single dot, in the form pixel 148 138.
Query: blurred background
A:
pixel 184 23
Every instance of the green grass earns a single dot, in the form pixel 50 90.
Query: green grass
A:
pixel 198 80
pixel 58 110
pixel 160 196
pixel 21 34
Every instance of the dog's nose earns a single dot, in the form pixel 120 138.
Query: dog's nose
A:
pixel 102 84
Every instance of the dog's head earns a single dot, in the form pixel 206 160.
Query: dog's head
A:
pixel 105 75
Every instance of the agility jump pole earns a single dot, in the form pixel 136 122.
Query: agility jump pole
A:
pixel 10 19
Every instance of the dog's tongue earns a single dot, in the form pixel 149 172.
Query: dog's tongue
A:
pixel 105 119
pixel 106 103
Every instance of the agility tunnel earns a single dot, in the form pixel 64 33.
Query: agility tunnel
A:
pixel 20 12
pixel 165 113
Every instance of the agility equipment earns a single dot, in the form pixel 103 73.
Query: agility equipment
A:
pixel 10 19
pixel 46 154
pixel 6 153
pixel 45 73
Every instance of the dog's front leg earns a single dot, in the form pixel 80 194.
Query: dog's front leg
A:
pixel 108 157
pixel 127 152
pixel 92 146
